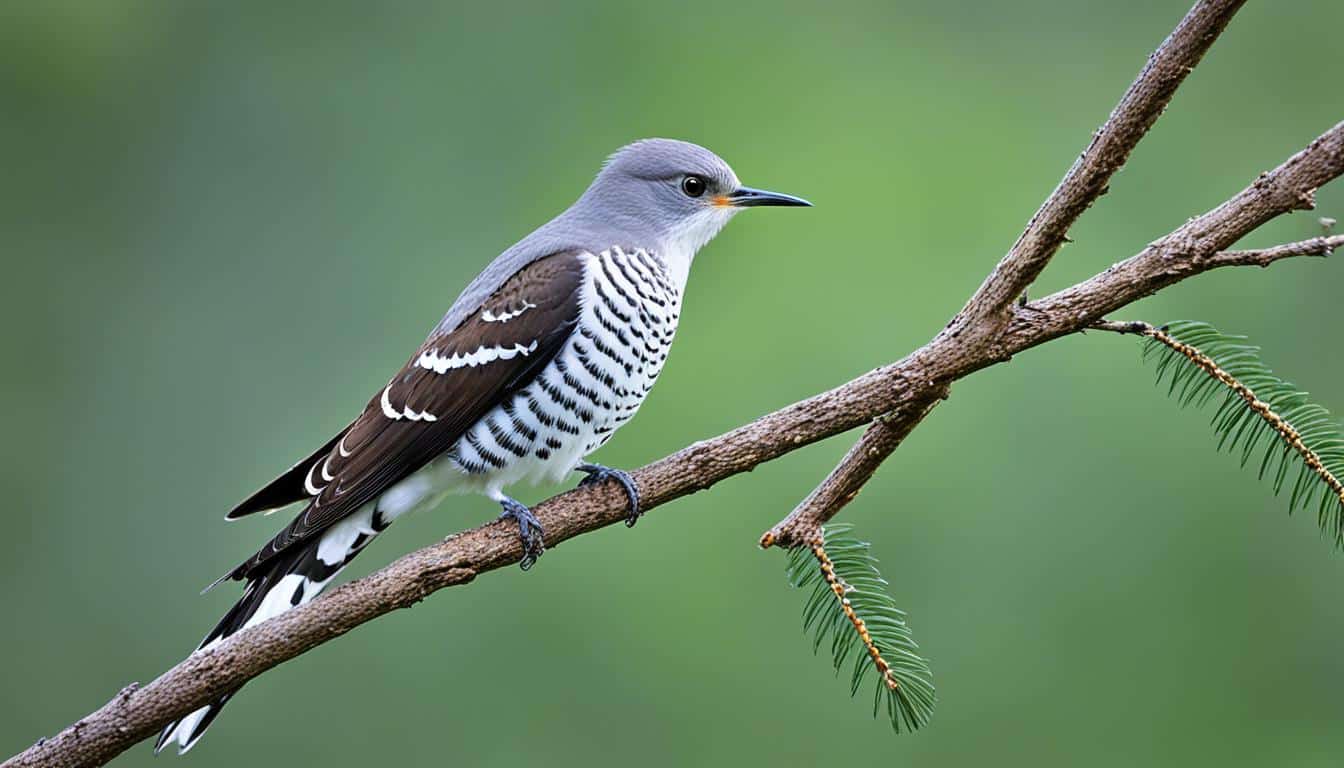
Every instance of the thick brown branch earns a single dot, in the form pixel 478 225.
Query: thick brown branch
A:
pixel 904 388
pixel 1087 179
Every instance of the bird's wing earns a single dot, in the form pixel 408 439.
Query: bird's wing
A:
pixel 285 489
pixel 451 382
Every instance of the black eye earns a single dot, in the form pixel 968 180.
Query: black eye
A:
pixel 693 186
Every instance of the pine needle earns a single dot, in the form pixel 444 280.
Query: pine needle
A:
pixel 1260 414
pixel 850 611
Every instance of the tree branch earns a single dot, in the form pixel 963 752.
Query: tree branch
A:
pixel 1179 255
pixel 1263 257
pixel 906 389
pixel 989 309
pixel 882 437
pixel 1197 246
pixel 1089 176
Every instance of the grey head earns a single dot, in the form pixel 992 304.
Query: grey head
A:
pixel 666 196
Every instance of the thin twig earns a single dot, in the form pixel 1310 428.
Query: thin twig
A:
pixel 1263 257
pixel 844 482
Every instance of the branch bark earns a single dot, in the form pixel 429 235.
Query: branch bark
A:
pixel 1087 179
pixel 1263 257
pixel 989 308
pixel 1189 250
pixel 904 391
pixel 1196 246
pixel 803 525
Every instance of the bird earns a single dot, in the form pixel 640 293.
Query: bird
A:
pixel 543 356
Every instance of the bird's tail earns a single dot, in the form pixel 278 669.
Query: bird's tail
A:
pixel 292 578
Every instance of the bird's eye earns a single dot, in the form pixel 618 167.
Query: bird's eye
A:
pixel 693 186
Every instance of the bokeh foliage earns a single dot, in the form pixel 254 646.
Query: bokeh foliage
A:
pixel 224 224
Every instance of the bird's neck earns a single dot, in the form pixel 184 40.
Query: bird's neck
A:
pixel 678 247
pixel 584 225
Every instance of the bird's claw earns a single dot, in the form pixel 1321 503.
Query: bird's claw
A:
pixel 600 474
pixel 529 531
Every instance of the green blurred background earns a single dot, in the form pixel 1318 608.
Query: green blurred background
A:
pixel 224 224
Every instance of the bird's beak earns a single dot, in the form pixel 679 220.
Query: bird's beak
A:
pixel 746 197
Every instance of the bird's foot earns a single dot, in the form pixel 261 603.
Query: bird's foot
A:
pixel 529 530
pixel 600 474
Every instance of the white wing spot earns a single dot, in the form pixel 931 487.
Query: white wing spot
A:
pixel 504 317
pixel 413 415
pixel 308 484
pixel 431 361
pixel 326 465
pixel 340 447
pixel 406 412
pixel 388 410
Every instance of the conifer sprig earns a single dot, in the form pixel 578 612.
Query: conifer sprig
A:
pixel 1196 362
pixel 849 608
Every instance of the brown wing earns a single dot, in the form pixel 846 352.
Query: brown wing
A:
pixel 452 381
pixel 285 489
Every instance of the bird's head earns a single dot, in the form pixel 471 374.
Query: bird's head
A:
pixel 676 193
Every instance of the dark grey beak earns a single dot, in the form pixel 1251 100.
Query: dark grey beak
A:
pixel 746 197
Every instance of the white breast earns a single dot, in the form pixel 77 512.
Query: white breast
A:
pixel 629 309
